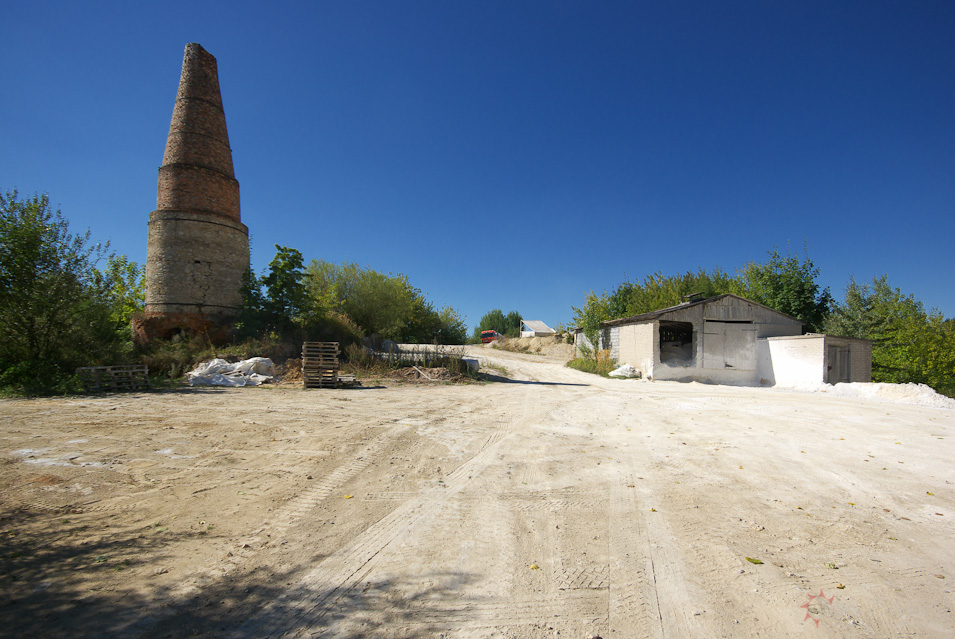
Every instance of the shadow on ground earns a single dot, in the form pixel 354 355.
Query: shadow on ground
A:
pixel 43 592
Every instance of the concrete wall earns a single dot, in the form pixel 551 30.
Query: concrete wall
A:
pixel 697 373
pixel 636 346
pixel 792 361
pixel 609 341
pixel 536 334
pixel 580 341
pixel 862 361
pixel 640 347
pixel 803 360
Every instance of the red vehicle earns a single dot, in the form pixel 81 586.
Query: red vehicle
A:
pixel 489 336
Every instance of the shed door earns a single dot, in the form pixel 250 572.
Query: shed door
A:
pixel 729 345
pixel 837 369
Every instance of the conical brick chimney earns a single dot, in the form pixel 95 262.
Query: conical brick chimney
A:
pixel 198 248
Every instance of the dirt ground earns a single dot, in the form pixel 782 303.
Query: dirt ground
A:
pixel 555 346
pixel 552 504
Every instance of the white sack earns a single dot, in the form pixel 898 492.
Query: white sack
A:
pixel 624 371
pixel 218 372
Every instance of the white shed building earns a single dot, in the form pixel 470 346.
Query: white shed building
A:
pixel 535 328
pixel 730 340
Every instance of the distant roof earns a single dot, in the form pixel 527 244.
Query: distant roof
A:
pixel 537 326
pixel 679 307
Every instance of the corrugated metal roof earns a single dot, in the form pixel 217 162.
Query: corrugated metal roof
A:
pixel 537 326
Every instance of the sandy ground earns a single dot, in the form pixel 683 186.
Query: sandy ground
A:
pixel 558 504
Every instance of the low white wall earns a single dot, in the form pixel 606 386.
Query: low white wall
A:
pixel 727 376
pixel 797 360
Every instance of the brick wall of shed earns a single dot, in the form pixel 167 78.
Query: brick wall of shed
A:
pixel 860 357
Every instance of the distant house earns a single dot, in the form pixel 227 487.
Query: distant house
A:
pixel 534 328
pixel 728 339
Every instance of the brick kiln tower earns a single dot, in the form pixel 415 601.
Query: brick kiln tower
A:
pixel 198 249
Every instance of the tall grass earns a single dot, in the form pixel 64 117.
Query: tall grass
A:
pixel 601 365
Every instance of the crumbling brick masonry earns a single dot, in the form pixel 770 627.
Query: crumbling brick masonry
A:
pixel 198 248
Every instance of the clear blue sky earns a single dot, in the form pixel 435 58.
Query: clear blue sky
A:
pixel 514 154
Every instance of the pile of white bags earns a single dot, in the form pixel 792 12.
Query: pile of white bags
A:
pixel 218 372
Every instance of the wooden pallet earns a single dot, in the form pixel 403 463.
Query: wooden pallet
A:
pixel 99 379
pixel 320 364
pixel 321 378
pixel 320 352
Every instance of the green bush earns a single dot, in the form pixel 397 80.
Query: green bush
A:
pixel 57 311
pixel 601 366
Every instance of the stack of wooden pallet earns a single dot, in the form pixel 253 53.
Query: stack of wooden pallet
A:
pixel 320 364
pixel 99 379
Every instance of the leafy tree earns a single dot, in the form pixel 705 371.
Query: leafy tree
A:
pixel 658 291
pixel 384 305
pixel 934 353
pixel 788 285
pixel 785 284
pixel 283 304
pixel 451 327
pixel 909 344
pixel 512 324
pixel 496 320
pixel 430 326
pixel 126 282
pixel 381 304
pixel 286 298
pixel 493 320
pixel 855 316
pixel 252 320
pixel 57 311
pixel 596 309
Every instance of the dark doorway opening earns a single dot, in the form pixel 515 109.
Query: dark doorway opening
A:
pixel 677 344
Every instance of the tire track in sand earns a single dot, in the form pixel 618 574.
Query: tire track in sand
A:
pixel 634 609
pixel 346 568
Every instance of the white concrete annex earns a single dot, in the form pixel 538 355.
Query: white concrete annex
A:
pixel 814 358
